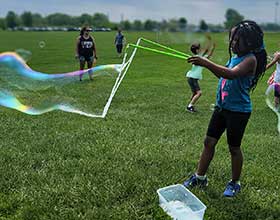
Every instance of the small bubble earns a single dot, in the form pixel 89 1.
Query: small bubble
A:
pixel 42 44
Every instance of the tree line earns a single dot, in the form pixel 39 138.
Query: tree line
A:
pixel 29 19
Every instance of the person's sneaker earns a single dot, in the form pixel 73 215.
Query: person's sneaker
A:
pixel 190 109
pixel 232 189
pixel 193 181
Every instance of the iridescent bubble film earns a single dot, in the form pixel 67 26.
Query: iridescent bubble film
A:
pixel 272 100
pixel 35 93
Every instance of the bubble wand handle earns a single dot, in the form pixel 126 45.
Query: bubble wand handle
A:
pixel 165 47
pixel 160 52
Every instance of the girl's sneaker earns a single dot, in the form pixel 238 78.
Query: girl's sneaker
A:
pixel 190 109
pixel 232 189
pixel 193 181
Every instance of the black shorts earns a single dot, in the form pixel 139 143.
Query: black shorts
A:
pixel 277 90
pixel 233 122
pixel 193 84
pixel 86 58
pixel 119 48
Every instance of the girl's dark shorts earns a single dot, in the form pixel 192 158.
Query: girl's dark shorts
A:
pixel 193 84
pixel 233 122
pixel 277 90
pixel 86 58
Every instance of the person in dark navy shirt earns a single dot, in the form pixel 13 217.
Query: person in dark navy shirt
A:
pixel 86 50
pixel 119 42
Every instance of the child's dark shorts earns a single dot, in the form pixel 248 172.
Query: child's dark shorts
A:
pixel 233 122
pixel 86 58
pixel 277 90
pixel 193 84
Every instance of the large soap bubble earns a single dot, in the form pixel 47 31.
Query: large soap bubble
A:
pixel 35 93
pixel 272 100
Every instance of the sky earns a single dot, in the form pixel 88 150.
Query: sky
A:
pixel 212 11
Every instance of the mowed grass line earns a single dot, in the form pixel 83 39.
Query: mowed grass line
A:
pixel 66 166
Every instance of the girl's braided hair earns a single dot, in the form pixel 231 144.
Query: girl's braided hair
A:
pixel 252 37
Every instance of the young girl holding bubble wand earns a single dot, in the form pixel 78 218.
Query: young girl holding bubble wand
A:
pixel 233 104
pixel 195 74
pixel 275 78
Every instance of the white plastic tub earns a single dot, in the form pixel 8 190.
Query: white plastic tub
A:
pixel 180 203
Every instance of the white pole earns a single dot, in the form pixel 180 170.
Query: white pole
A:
pixel 119 79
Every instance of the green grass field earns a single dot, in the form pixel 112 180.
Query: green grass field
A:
pixel 65 166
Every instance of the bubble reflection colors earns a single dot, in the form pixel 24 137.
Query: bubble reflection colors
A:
pixel 35 93
pixel 272 100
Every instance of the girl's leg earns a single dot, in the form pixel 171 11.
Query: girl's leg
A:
pixel 193 83
pixel 82 66
pixel 233 186
pixel 192 96
pixel 120 50
pixel 236 124
pixel 195 97
pixel 236 162
pixel 216 128
pixel 89 65
pixel 206 155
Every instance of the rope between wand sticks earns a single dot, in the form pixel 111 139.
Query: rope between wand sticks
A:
pixel 186 56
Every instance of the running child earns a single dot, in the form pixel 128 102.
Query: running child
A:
pixel 195 74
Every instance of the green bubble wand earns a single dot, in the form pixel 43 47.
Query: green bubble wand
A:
pixel 165 47
pixel 175 53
